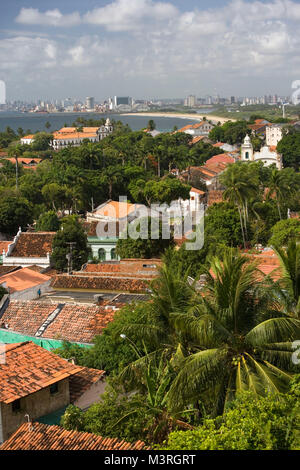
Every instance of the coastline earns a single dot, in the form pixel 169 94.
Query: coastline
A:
pixel 195 117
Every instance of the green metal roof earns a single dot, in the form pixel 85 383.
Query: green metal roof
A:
pixel 9 337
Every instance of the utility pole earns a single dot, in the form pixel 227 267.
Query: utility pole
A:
pixel 69 257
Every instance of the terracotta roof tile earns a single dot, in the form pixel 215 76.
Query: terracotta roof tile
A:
pixel 73 322
pixel 197 139
pixel 100 283
pixel 23 279
pixel 4 246
pixel 29 368
pixel 82 381
pixel 38 436
pixel 33 244
pixel 7 269
pixel 115 209
pixel 221 158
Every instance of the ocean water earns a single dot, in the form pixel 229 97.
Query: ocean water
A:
pixel 36 122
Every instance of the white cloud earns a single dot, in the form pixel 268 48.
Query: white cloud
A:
pixel 130 15
pixel 149 45
pixel 50 17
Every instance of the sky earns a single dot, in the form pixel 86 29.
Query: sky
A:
pixel 148 48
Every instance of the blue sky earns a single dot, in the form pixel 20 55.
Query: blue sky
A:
pixel 148 48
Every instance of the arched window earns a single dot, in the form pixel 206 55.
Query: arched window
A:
pixel 247 155
pixel 101 254
pixel 113 254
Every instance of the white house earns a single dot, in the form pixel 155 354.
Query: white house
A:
pixel 267 154
pixel 27 139
pixel 274 134
pixel 70 136
pixel 202 128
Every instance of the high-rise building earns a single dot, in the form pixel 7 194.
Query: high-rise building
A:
pixel 89 102
pixel 190 101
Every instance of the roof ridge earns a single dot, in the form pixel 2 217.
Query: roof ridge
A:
pixel 18 345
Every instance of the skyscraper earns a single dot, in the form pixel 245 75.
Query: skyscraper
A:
pixel 89 103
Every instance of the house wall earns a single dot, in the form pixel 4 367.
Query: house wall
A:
pixel 35 405
pixel 25 262
pixel 273 135
pixel 32 292
pixel 107 247
pixel 91 396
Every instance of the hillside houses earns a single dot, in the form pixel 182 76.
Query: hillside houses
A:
pixel 74 136
pixel 202 128
pixel 36 382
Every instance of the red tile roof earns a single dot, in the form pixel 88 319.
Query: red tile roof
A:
pixel 25 161
pixel 100 283
pixel 127 267
pixel 197 139
pixel 23 279
pixel 82 381
pixel 29 368
pixel 4 246
pixel 218 144
pixel 38 436
pixel 221 158
pixel 214 197
pixel 33 244
pixel 268 263
pixel 198 191
pixel 73 322
pixel 7 269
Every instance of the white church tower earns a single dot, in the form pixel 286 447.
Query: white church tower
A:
pixel 247 154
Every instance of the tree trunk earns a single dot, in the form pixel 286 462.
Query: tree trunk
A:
pixel 241 221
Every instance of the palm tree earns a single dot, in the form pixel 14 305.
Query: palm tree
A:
pixel 229 337
pixel 241 341
pixel 280 187
pixel 236 192
pixel 289 284
pixel 155 377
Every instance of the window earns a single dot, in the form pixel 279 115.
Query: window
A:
pixel 101 254
pixel 113 254
pixel 53 388
pixel 16 405
pixel 247 155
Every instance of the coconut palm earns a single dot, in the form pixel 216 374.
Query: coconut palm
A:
pixel 155 378
pixel 229 337
pixel 239 340
pixel 289 283
pixel 240 188
pixel 280 187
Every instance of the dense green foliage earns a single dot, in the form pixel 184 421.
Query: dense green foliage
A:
pixel 48 222
pixel 285 230
pixel 71 231
pixel 289 147
pixel 150 241
pixel 15 212
pixel 3 292
pixel 110 352
pixel 251 423
pixel 230 132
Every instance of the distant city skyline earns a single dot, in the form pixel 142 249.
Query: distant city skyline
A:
pixel 148 49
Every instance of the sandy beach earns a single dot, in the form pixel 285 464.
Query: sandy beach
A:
pixel 195 117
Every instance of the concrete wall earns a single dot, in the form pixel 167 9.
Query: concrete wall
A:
pixel 35 405
pixel 32 292
pixel 91 396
